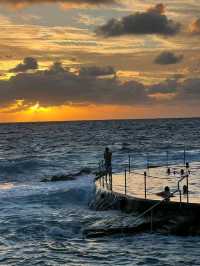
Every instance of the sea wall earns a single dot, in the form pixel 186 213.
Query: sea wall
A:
pixel 106 199
pixel 172 217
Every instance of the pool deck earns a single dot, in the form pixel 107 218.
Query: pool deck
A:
pixel 132 184
pixel 179 214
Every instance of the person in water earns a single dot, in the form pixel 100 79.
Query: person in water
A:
pixel 165 194
pixel 108 161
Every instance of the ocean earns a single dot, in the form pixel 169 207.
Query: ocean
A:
pixel 42 223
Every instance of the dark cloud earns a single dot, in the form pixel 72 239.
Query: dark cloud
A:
pixel 57 68
pixel 165 87
pixel 185 92
pixel 29 63
pixel 95 71
pixel 153 21
pixel 189 91
pixel 57 86
pixel 167 58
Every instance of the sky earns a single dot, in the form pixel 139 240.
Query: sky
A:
pixel 99 59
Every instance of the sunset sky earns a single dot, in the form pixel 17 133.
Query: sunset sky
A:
pixel 99 59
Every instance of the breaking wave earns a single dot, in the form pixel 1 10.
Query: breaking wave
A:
pixel 78 191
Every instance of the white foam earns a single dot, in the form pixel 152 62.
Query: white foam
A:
pixel 15 189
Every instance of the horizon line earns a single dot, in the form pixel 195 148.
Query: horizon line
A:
pixel 96 120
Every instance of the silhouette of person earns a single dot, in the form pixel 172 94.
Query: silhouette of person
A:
pixel 185 189
pixel 165 194
pixel 108 161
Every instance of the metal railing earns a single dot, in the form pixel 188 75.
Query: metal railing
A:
pixel 106 181
pixel 164 200
pixel 166 160
pixel 180 180
pixel 150 210
pixel 106 178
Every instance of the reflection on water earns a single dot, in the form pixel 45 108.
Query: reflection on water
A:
pixel 6 186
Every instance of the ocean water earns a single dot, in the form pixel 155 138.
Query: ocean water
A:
pixel 43 223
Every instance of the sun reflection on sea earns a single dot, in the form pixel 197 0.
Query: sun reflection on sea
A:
pixel 6 186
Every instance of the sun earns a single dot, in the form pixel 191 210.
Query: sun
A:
pixel 36 108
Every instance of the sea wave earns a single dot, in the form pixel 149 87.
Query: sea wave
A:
pixel 77 191
pixel 31 168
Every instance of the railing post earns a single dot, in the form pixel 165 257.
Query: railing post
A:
pixel 111 181
pixel 129 163
pixel 179 191
pixel 125 182
pixel 167 159
pixel 187 189
pixel 180 195
pixel 184 156
pixel 145 185
pixel 147 161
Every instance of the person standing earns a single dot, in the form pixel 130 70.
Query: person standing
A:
pixel 108 161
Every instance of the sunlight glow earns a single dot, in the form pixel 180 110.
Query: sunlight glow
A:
pixel 36 108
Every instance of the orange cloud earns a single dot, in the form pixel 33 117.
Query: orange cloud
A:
pixel 71 113
pixel 159 8
pixel 93 112
pixel 65 3
pixel 195 27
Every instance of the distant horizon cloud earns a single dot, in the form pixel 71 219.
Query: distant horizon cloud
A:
pixel 57 86
pixel 151 21
pixel 168 58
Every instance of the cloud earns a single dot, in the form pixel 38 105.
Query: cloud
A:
pixel 159 8
pixel 29 63
pixel 184 92
pixel 65 3
pixel 153 21
pixel 95 71
pixel 167 58
pixel 89 20
pixel 165 87
pixel 57 86
pixel 194 28
pixel 189 91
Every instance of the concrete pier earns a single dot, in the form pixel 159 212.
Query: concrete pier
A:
pixel 180 214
